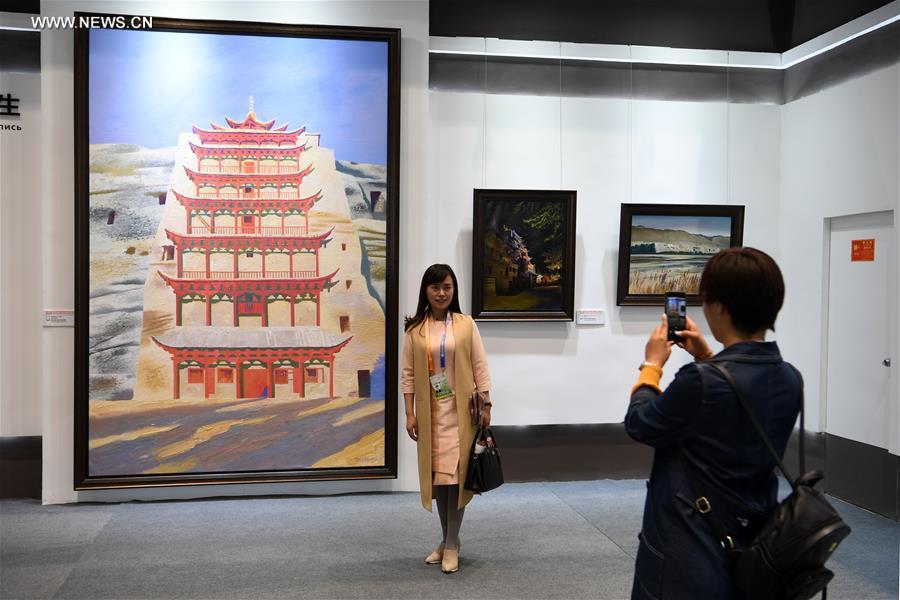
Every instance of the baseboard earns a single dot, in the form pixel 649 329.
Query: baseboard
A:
pixel 571 452
pixel 861 474
pixel 864 475
pixel 20 467
pixel 814 452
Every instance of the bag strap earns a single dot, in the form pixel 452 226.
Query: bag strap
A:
pixel 703 506
pixel 800 440
pixel 488 436
pixel 756 425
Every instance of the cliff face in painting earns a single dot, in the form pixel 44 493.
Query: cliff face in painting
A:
pixel 237 284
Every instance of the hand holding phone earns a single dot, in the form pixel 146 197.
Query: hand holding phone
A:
pixel 676 314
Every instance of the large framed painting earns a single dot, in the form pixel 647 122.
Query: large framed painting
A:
pixel 236 253
pixel 664 248
pixel 523 255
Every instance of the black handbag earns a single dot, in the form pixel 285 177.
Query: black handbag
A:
pixel 485 470
pixel 786 559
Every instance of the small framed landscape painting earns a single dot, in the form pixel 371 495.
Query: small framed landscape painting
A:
pixel 665 247
pixel 523 255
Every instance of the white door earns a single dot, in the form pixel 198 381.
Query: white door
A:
pixel 858 380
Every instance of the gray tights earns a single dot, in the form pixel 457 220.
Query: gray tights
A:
pixel 447 497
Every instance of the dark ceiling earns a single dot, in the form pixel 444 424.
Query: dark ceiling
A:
pixel 754 25
pixel 751 25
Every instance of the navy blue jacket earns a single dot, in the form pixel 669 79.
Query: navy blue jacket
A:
pixel 699 417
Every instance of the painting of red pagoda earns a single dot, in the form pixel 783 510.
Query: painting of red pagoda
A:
pixel 241 219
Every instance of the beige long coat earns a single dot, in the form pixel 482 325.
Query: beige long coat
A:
pixel 463 386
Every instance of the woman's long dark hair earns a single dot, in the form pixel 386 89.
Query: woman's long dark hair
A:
pixel 436 273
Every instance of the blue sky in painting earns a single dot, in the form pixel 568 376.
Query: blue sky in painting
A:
pixel 708 226
pixel 146 87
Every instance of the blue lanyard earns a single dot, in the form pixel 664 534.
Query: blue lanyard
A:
pixel 444 342
pixel 443 345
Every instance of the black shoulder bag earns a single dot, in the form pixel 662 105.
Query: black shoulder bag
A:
pixel 786 559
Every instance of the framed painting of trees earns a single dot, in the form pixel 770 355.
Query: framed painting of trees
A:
pixel 523 255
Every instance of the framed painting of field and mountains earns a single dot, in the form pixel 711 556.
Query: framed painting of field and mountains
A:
pixel 664 248
pixel 236 253
pixel 523 255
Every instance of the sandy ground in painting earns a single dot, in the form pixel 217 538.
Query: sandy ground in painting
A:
pixel 229 435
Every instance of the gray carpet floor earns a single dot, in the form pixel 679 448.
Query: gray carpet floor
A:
pixel 530 540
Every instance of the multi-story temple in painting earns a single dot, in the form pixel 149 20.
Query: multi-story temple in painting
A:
pixel 250 256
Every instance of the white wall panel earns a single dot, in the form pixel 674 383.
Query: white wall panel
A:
pixel 522 136
pixel 754 136
pixel 840 151
pixel 20 260
pixel 679 152
pixel 596 151
pixel 456 167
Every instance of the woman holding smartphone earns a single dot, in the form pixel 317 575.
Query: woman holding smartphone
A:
pixel 443 364
pixel 698 429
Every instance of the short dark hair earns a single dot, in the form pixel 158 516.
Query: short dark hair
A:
pixel 748 284
pixel 436 273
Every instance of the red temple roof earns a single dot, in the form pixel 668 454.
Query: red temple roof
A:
pixel 267 285
pixel 261 203
pixel 219 129
pixel 247 240
pixel 250 122
pixel 201 177
pixel 248 150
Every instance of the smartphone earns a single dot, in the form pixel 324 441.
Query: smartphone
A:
pixel 676 314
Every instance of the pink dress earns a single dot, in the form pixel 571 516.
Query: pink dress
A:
pixel 444 419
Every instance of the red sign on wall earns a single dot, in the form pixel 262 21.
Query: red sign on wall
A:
pixel 862 250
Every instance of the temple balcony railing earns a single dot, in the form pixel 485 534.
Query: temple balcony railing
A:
pixel 235 196
pixel 214 169
pixel 263 169
pixel 269 169
pixel 249 231
pixel 228 275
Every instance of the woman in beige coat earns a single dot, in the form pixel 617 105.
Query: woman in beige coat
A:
pixel 436 390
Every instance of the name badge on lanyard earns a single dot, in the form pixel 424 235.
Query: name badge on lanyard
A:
pixel 440 385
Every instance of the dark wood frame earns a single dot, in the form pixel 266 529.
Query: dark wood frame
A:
pixel 82 478
pixel 568 197
pixel 623 298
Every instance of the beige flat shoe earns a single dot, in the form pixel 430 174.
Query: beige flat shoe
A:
pixel 450 564
pixel 435 557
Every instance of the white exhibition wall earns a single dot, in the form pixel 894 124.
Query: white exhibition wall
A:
pixel 611 151
pixel 20 260
pixel 840 155
pixel 791 166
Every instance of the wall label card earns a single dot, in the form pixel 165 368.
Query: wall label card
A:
pixel 59 317
pixel 590 316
